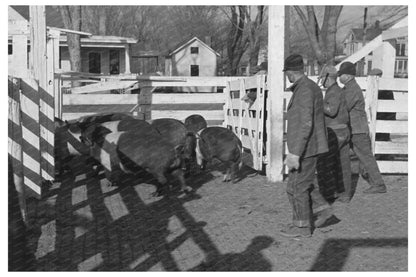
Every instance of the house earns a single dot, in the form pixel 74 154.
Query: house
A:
pixel 99 54
pixel 192 58
pixel 383 48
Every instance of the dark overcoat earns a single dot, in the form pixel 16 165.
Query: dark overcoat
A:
pixel 306 131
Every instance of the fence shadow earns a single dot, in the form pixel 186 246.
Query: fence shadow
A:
pixel 125 229
pixel 335 252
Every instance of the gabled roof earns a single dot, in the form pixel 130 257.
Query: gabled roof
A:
pixel 54 20
pixel 53 17
pixel 182 45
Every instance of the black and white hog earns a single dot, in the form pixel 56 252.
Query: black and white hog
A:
pixel 222 144
pixel 135 150
pixel 67 136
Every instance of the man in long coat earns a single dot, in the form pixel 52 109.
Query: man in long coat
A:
pixel 306 139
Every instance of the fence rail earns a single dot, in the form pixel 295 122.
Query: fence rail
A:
pixel 228 109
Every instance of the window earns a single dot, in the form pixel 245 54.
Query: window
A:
pixel 369 66
pixel 194 50
pixel 94 62
pixel 114 62
pixel 401 50
pixel 194 70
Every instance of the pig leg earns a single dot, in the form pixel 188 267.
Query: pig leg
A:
pixel 162 182
pixel 227 175
pixel 234 168
pixel 178 173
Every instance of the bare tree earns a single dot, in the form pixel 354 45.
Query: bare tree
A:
pixel 71 16
pixel 254 28
pixel 322 38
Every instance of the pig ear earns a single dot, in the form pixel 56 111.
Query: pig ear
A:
pixel 179 149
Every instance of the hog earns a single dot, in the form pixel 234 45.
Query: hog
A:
pixel 194 123
pixel 67 145
pixel 171 129
pixel 67 137
pixel 175 132
pixel 222 144
pixel 86 121
pixel 135 150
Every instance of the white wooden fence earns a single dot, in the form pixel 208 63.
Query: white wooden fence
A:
pixel 394 152
pixel 173 105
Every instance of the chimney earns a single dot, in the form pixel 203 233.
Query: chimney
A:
pixel 377 24
pixel 208 40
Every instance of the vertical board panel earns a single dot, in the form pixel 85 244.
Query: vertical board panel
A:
pixel 19 58
pixel 371 106
pixel 29 105
pixel 15 142
pixel 274 123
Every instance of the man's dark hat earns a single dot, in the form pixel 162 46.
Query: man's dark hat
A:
pixel 347 68
pixel 294 62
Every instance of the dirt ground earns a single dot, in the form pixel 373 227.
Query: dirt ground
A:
pixel 83 225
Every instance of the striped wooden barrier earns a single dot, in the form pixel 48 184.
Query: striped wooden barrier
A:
pixel 32 92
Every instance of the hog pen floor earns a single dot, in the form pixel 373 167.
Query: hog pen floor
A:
pixel 83 225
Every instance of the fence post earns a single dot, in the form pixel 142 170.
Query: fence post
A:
pixel 274 169
pixel 15 143
pixel 371 104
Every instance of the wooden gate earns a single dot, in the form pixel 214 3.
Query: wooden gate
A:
pixel 245 118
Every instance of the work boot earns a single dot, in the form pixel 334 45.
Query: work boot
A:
pixel 323 216
pixel 376 189
pixel 291 231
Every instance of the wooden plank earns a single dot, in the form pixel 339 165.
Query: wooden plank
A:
pixel 174 98
pixel 190 98
pixel 393 167
pixel 15 142
pixel 19 64
pixel 364 51
pixel 395 33
pixel 274 123
pixel 19 27
pixel 100 99
pixel 235 85
pixel 251 82
pixel 392 126
pixel 395 84
pixel 191 82
pixel 371 106
pixel 104 86
pixel 181 115
pixel 392 106
pixel 387 147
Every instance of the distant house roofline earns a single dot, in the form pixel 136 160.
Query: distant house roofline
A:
pixel 183 45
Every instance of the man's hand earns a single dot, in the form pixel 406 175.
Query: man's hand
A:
pixel 292 161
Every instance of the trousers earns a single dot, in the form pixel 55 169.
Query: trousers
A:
pixel 334 167
pixel 361 145
pixel 303 193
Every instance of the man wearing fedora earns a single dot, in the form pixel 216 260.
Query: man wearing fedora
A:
pixel 306 139
pixel 360 138
pixel 334 167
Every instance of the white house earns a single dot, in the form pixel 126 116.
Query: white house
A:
pixel 192 58
pixel 384 49
pixel 99 54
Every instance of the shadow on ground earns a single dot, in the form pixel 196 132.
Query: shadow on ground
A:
pixel 122 229
pixel 335 252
